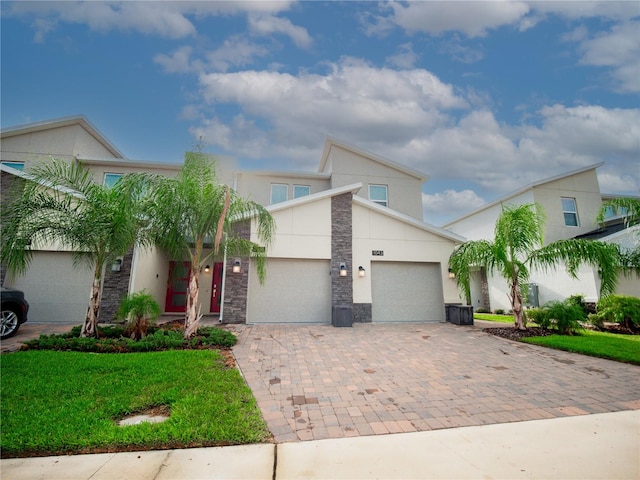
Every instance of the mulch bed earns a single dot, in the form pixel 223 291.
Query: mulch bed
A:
pixel 511 333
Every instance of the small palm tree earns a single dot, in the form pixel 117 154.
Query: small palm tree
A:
pixel 630 210
pixel 139 310
pixel 517 249
pixel 61 204
pixel 193 210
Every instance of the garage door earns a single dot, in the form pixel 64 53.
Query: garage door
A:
pixel 406 292
pixel 56 291
pixel 295 291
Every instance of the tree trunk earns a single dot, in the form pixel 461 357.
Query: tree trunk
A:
pixel 192 316
pixel 90 326
pixel 516 305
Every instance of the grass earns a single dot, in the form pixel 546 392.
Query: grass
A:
pixel 623 348
pixel 69 402
pixel 491 317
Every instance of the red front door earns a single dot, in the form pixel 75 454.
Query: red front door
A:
pixel 216 287
pixel 176 300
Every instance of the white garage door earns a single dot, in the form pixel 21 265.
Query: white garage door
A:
pixel 406 292
pixel 295 291
pixel 56 291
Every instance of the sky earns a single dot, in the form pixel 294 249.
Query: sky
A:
pixel 483 97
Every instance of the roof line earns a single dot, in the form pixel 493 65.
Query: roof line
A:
pixel 353 188
pixel 410 220
pixel 332 141
pixel 63 122
pixel 523 189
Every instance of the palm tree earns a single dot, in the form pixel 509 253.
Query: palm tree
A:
pixel 517 249
pixel 629 207
pixel 193 211
pixel 138 310
pixel 60 204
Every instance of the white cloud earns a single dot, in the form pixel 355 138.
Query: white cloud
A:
pixel 269 24
pixel 451 202
pixel 236 51
pixel 404 58
pixel 619 49
pixel 178 61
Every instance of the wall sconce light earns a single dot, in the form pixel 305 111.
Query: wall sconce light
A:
pixel 451 274
pixel 343 270
pixel 207 269
pixel 361 271
pixel 237 266
pixel 116 265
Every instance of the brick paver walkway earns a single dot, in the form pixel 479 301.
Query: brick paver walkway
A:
pixel 316 382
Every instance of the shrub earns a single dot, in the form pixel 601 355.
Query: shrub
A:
pixel 138 310
pixel 621 309
pixel 482 310
pixel 538 316
pixel 499 311
pixel 564 316
pixel 578 300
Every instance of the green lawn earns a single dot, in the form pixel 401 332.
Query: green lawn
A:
pixel 491 317
pixel 624 348
pixel 66 402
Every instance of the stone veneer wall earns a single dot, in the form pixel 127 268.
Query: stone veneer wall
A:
pixel 341 249
pixel 114 287
pixel 8 189
pixel 234 308
pixel 362 312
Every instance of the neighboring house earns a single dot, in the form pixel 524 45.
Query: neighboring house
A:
pixel 349 239
pixel 571 202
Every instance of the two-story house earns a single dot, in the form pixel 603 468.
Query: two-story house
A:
pixel 349 239
pixel 571 202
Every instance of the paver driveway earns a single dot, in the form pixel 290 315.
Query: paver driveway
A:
pixel 316 382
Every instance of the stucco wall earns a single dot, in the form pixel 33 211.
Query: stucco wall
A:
pixel 404 191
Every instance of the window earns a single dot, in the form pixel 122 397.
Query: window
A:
pixel 279 192
pixel 110 179
pixel 378 194
pixel 570 212
pixel 16 165
pixel 301 191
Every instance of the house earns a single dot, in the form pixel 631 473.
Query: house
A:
pixel 571 202
pixel 349 241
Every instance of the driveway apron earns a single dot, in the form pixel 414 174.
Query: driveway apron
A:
pixel 318 382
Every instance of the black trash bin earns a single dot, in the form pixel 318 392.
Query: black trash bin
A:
pixel 459 314
pixel 341 316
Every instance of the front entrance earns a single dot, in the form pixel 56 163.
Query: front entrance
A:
pixel 216 287
pixel 176 300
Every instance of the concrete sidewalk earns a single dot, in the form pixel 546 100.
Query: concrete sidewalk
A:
pixel 599 446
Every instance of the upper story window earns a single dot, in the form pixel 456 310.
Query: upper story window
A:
pixel 570 212
pixel 110 179
pixel 378 194
pixel 611 212
pixel 279 192
pixel 301 191
pixel 16 165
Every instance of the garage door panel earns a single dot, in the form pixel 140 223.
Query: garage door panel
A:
pixel 295 291
pixel 406 292
pixel 56 291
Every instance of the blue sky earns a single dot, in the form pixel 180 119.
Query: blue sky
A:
pixel 484 97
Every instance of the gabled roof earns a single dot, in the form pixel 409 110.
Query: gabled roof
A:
pixel 524 189
pixel 331 142
pixel 354 188
pixel 63 122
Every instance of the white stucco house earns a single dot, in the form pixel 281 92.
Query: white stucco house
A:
pixel 571 202
pixel 349 239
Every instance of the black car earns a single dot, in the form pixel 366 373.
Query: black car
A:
pixel 14 311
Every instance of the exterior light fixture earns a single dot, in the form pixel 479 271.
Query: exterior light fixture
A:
pixel 207 269
pixel 116 265
pixel 451 274
pixel 237 266
pixel 343 270
pixel 361 271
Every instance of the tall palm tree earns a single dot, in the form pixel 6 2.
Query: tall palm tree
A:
pixel 517 249
pixel 61 204
pixel 193 211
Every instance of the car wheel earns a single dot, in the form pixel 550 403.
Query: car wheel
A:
pixel 8 323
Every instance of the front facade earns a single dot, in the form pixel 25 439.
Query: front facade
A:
pixel 571 203
pixel 349 241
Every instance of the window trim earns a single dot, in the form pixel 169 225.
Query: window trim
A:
pixel 286 185
pixel 385 202
pixel 573 212
pixel 308 187
pixel 113 174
